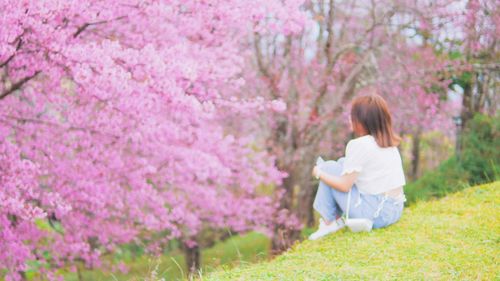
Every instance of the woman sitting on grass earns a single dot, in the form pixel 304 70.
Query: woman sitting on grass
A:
pixel 371 169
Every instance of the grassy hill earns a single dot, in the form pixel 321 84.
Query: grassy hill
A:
pixel 454 238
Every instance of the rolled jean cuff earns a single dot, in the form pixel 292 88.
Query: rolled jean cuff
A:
pixel 326 213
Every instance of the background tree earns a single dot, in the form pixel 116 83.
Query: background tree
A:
pixel 110 127
pixel 348 48
pixel 479 51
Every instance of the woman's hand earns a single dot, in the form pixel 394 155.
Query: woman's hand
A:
pixel 341 183
pixel 315 171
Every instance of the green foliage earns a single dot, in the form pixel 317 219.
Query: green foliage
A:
pixel 481 154
pixel 478 163
pixel 464 79
pixel 447 178
pixel 455 55
pixel 455 238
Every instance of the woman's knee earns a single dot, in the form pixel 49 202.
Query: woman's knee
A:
pixel 322 192
pixel 331 167
pixel 341 161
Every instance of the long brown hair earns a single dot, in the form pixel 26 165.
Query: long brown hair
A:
pixel 372 113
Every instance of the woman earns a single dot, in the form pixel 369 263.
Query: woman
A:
pixel 372 169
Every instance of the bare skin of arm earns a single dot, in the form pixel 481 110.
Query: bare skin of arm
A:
pixel 340 183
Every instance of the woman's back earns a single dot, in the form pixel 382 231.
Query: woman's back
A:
pixel 379 169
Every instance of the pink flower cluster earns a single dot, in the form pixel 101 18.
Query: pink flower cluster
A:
pixel 111 130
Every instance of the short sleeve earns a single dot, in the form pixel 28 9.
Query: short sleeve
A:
pixel 354 157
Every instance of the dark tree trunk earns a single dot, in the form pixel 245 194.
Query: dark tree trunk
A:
pixel 415 152
pixel 79 273
pixel 193 261
pixel 23 275
pixel 481 81
pixel 305 203
pixel 467 105
pixel 284 237
pixel 305 198
pixel 286 201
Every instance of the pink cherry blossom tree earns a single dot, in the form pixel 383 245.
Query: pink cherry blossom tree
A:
pixel 111 127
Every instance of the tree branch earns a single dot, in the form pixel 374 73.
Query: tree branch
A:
pixel 263 69
pixel 18 85
pixel 86 25
pixel 18 46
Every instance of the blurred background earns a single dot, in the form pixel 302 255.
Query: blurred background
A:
pixel 223 108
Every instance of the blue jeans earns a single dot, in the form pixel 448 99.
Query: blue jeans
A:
pixel 331 203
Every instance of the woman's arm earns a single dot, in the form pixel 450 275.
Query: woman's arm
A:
pixel 340 183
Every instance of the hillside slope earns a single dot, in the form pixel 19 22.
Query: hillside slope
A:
pixel 454 238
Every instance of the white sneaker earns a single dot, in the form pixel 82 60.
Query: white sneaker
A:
pixel 325 229
pixel 321 223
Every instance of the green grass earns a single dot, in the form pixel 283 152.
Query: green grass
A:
pixel 454 238
pixel 237 250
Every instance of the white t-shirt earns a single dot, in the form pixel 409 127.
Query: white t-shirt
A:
pixel 379 169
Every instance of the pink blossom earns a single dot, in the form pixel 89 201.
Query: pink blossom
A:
pixel 117 129
pixel 278 105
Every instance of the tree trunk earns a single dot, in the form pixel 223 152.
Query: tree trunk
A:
pixel 307 191
pixel 284 237
pixel 415 152
pixel 467 105
pixel 79 273
pixel 305 203
pixel 193 261
pixel 22 274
